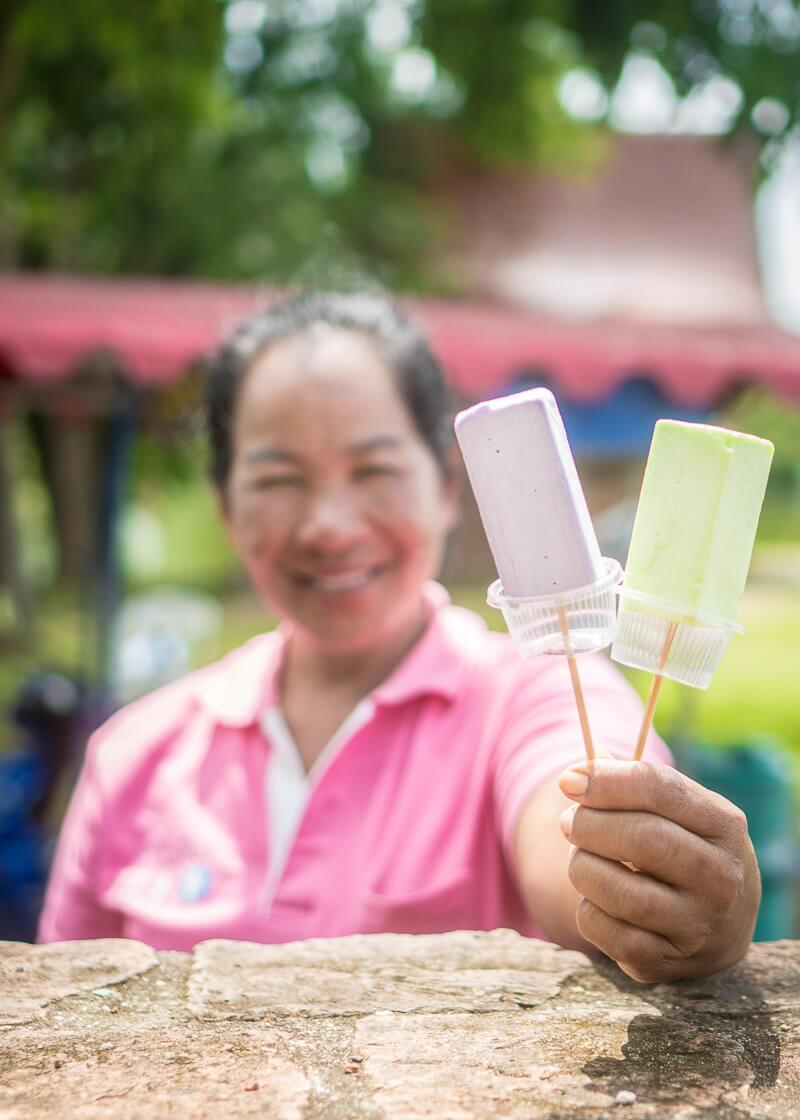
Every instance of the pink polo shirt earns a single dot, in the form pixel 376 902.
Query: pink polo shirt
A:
pixel 406 826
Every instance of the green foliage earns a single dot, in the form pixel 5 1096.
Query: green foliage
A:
pixel 192 550
pixel 758 411
pixel 241 139
pixel 755 44
pixel 755 687
pixel 96 104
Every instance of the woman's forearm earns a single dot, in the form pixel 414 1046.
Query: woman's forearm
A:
pixel 542 857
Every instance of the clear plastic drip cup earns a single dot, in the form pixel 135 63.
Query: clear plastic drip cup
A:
pixel 696 644
pixel 538 623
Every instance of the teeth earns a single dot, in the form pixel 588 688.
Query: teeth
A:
pixel 341 583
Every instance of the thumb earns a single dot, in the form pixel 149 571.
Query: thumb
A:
pixel 574 779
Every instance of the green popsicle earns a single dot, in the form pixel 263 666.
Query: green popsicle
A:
pixel 691 545
pixel 696 521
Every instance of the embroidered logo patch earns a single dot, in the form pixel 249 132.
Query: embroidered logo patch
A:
pixel 195 883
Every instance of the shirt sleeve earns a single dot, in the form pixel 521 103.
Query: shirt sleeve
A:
pixel 542 732
pixel 72 909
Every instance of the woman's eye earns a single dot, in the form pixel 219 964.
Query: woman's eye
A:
pixel 278 480
pixel 375 470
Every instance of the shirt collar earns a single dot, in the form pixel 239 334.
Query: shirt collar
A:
pixel 237 689
pixel 435 664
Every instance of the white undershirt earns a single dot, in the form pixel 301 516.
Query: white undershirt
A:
pixel 288 786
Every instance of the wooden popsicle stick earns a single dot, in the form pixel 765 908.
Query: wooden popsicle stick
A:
pixel 576 684
pixel 655 688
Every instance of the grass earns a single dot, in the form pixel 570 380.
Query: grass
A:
pixel 755 689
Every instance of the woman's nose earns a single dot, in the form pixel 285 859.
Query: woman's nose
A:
pixel 332 517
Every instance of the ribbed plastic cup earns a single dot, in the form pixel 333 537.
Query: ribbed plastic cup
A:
pixel 535 624
pixel 643 625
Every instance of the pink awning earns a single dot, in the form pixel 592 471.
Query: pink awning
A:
pixel 156 328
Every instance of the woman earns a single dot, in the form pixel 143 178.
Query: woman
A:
pixel 381 762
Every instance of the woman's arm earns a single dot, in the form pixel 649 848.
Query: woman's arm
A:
pixel 542 867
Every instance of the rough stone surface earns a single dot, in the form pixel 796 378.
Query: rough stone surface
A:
pixel 29 981
pixel 456 1027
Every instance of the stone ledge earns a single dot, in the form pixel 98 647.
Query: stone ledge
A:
pixel 459 1026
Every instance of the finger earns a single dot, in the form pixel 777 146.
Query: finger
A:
pixel 643 955
pixel 610 784
pixel 651 843
pixel 638 900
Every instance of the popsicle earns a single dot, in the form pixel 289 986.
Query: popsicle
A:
pixel 555 589
pixel 690 552
pixel 529 495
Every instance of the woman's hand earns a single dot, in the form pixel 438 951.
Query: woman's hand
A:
pixel 666 869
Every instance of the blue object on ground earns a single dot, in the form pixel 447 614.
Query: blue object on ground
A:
pixel 24 847
pixel 50 714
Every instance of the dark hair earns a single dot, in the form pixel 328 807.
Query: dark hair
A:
pixel 417 372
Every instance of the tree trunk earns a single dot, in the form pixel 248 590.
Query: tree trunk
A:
pixel 11 575
pixel 70 453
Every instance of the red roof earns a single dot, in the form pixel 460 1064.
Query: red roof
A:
pixel 48 323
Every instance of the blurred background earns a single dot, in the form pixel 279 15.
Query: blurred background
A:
pixel 601 198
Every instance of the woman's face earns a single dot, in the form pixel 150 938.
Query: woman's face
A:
pixel 334 501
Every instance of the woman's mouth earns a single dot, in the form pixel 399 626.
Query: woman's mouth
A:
pixel 333 583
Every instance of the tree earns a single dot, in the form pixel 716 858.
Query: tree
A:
pixel 253 139
pixel 96 104
pixel 754 42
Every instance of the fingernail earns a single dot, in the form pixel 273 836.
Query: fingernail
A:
pixel 573 782
pixel 566 819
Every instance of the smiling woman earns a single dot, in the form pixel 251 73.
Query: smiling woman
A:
pixel 381 762
pixel 336 505
pixel 337 486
